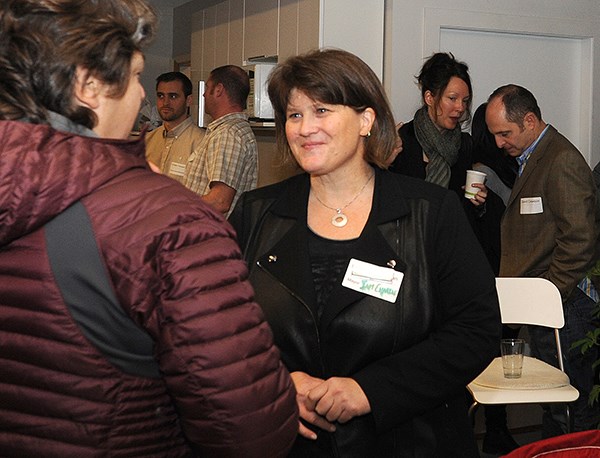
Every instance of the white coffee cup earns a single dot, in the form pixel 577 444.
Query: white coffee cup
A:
pixel 473 176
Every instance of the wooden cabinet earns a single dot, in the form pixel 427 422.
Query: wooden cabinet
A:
pixel 217 37
pixel 281 28
pixel 233 31
pixel 261 26
pixel 197 56
pixel 236 32
pixel 288 29
pixel 221 39
pixel 298 27
pixel 209 44
pixel 309 25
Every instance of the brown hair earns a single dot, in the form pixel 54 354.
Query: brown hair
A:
pixel 518 101
pixel 334 77
pixel 236 82
pixel 436 73
pixel 42 42
pixel 169 77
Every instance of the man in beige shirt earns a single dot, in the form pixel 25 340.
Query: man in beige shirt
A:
pixel 168 147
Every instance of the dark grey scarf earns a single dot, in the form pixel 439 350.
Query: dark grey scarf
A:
pixel 441 147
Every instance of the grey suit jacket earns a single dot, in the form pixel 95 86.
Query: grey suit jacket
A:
pixel 551 225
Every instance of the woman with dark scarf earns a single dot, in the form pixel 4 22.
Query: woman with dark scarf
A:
pixel 434 148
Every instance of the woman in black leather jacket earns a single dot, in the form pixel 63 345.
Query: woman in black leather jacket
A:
pixel 379 297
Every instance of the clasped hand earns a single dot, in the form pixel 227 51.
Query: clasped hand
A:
pixel 323 402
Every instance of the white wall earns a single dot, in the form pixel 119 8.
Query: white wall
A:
pixel 159 55
pixel 356 26
pixel 418 28
pixel 569 99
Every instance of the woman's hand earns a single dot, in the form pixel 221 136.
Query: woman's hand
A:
pixel 481 196
pixel 304 383
pixel 338 399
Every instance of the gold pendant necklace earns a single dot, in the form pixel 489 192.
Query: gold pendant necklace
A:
pixel 340 219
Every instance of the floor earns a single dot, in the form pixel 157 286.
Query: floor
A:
pixel 524 422
pixel 522 436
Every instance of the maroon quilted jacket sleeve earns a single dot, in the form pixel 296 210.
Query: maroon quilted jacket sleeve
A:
pixel 177 262
pixel 176 271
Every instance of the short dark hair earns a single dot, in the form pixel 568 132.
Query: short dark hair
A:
pixel 39 62
pixel 176 76
pixel 235 80
pixel 334 77
pixel 517 102
pixel 436 73
pixel 487 152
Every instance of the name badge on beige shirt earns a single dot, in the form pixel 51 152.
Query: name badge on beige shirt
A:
pixel 177 169
pixel 531 206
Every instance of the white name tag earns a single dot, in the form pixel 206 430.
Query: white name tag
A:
pixel 381 282
pixel 531 205
pixel 177 169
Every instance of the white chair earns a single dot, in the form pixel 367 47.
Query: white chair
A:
pixel 534 301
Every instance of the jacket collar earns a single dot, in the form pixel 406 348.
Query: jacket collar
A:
pixel 44 170
pixel 373 247
pixel 62 123
pixel 230 117
pixel 388 202
pixel 533 161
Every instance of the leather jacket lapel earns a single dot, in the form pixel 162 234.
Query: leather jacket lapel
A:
pixel 288 262
pixel 373 248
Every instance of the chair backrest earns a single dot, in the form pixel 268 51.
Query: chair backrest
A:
pixel 525 300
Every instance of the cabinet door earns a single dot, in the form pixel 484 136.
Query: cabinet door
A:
pixel 261 26
pixel 209 45
pixel 288 29
pixel 236 32
pixel 197 59
pixel 222 34
pixel 197 44
pixel 308 21
pixel 298 27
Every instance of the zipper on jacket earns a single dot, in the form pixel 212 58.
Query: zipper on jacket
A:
pixel 299 299
pixel 334 446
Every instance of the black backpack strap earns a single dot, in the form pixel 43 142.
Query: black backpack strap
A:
pixel 83 281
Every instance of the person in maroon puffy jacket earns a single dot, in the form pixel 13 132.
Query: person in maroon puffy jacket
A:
pixel 127 324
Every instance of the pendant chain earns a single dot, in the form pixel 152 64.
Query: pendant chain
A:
pixel 340 219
